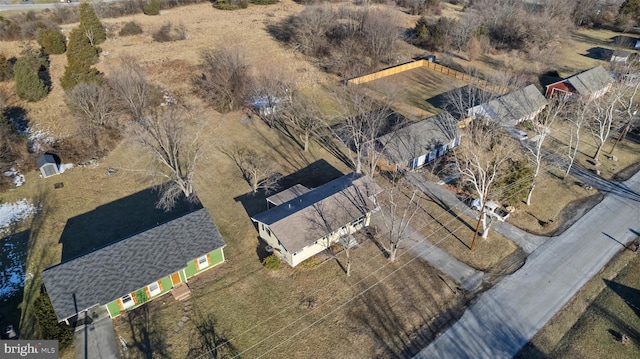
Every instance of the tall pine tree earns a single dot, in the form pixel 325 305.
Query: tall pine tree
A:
pixel 91 25
pixel 80 49
pixel 77 72
pixel 28 85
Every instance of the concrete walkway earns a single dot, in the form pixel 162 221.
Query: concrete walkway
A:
pixel 528 242
pixel 507 316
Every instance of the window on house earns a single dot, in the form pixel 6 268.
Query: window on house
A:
pixel 127 301
pixel 203 262
pixel 358 223
pixel 268 231
pixel 154 289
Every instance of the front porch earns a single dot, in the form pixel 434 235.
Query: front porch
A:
pixel 181 292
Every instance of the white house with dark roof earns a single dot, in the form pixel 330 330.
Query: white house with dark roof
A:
pixel 512 108
pixel 417 143
pixel 134 270
pixel 591 84
pixel 308 223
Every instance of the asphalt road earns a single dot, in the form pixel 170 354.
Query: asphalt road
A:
pixel 507 316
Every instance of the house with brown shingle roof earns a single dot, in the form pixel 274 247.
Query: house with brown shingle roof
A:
pixel 311 220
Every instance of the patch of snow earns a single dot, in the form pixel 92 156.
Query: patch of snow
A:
pixel 12 273
pixel 15 212
pixel 38 137
pixel 18 178
pixel 65 166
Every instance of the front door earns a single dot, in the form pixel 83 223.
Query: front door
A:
pixel 175 278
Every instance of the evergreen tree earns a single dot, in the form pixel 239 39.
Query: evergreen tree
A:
pixel 516 183
pixel 48 324
pixel 28 85
pixel 77 72
pixel 52 40
pixel 5 69
pixel 151 7
pixel 35 57
pixel 80 49
pixel 91 25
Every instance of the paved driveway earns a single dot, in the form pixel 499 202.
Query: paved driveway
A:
pixel 96 340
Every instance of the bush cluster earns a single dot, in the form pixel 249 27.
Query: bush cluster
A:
pixel 151 7
pixel 168 33
pixel 6 72
pixel 52 40
pixel 271 262
pixel 130 28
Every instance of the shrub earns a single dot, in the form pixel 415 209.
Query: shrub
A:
pixel 244 4
pixel 28 85
pixel 167 33
pixel 5 69
pixel 52 40
pixel 130 28
pixel 271 262
pixel 225 5
pixel 151 7
pixel 264 2
pixel 48 324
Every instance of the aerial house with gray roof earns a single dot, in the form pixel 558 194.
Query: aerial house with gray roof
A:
pixel 305 222
pixel 512 108
pixel 591 84
pixel 418 143
pixel 134 270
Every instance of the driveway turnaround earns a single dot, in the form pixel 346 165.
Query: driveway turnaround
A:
pixel 507 316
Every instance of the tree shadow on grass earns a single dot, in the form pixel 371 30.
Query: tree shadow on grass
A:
pixel 146 333
pixel 117 220
pixel 208 339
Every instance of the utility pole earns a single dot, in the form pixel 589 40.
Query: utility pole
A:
pixel 484 202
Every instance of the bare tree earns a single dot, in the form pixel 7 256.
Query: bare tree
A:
pixel 224 82
pixel 165 134
pixel 271 92
pixel 303 115
pixel 541 128
pixel 93 103
pixel 260 171
pixel 399 205
pixel 604 116
pixel 381 34
pixel 133 91
pixel 482 158
pixel 628 78
pixel 361 120
pixel 580 113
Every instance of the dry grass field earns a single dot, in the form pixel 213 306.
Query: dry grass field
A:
pixel 384 310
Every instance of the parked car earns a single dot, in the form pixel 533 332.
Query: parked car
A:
pixel 518 134
pixel 492 209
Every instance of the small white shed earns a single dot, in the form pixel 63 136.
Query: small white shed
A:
pixel 48 165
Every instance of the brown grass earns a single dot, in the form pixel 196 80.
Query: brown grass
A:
pixel 415 87
pixel 544 216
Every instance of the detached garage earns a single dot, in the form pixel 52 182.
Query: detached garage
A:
pixel 48 165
